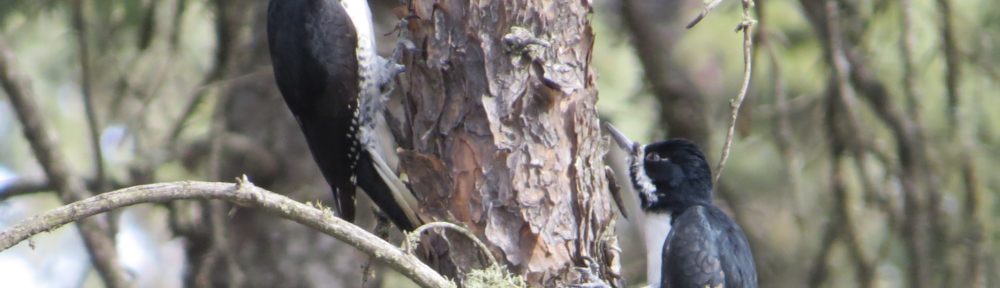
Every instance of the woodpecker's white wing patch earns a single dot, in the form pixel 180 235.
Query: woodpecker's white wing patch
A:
pixel 361 17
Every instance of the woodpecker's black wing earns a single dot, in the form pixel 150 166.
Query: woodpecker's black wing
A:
pixel 313 53
pixel 706 249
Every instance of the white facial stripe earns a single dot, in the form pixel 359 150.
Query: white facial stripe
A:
pixel 644 183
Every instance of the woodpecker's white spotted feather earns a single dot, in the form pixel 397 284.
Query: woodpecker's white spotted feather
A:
pixel 324 59
pixel 371 131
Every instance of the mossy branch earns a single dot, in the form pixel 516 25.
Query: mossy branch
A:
pixel 242 193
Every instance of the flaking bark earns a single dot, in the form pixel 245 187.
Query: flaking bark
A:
pixel 502 133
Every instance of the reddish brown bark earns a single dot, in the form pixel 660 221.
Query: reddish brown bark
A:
pixel 504 137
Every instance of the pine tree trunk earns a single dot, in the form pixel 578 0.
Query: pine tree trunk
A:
pixel 502 135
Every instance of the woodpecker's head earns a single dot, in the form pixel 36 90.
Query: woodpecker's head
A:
pixel 669 175
pixel 680 174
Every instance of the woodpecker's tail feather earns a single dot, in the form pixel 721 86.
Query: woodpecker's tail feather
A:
pixel 388 191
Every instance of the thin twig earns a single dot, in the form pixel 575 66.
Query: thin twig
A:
pixel 952 61
pixel 71 188
pixel 922 232
pixel 682 103
pixel 242 193
pixel 819 272
pixel 381 229
pixel 975 271
pixel 841 101
pixel 906 51
pixel 175 25
pixel 216 211
pixel 704 12
pixel 862 263
pixel 413 238
pixel 80 25
pixel 976 229
pixel 224 39
pixel 21 187
pixel 746 26
pixel 189 108
pixel 782 124
pixel 30 185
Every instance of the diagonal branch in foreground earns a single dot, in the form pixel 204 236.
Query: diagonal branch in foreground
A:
pixel 242 193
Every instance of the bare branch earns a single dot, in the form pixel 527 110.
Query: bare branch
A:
pixel 951 57
pixel 976 229
pixel 906 49
pixel 191 106
pixel 735 104
pixel 242 193
pixel 862 264
pixel 224 39
pixel 20 187
pixel 80 25
pixel 70 187
pixel 975 271
pixel 31 185
pixel 682 104
pixel 704 12
pixel 818 273
pixel 782 126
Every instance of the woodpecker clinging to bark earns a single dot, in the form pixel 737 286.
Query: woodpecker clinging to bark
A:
pixel 689 241
pixel 324 60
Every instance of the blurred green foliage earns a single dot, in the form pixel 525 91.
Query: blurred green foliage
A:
pixel 144 87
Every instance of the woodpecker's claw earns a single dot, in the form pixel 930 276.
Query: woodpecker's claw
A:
pixel 615 190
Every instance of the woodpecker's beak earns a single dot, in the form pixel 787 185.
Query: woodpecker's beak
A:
pixel 635 151
pixel 619 137
pixel 626 144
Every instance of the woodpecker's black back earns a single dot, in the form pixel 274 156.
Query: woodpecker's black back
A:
pixel 313 46
pixel 704 248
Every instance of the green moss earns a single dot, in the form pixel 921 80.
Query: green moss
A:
pixel 493 276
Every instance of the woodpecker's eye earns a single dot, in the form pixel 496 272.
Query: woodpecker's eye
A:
pixel 655 157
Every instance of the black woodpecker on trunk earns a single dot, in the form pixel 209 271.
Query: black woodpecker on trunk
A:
pixel 326 67
pixel 689 241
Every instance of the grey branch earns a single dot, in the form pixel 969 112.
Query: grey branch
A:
pixel 31 185
pixel 704 12
pixel 244 194
pixel 80 25
pixel 224 39
pixel 71 188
